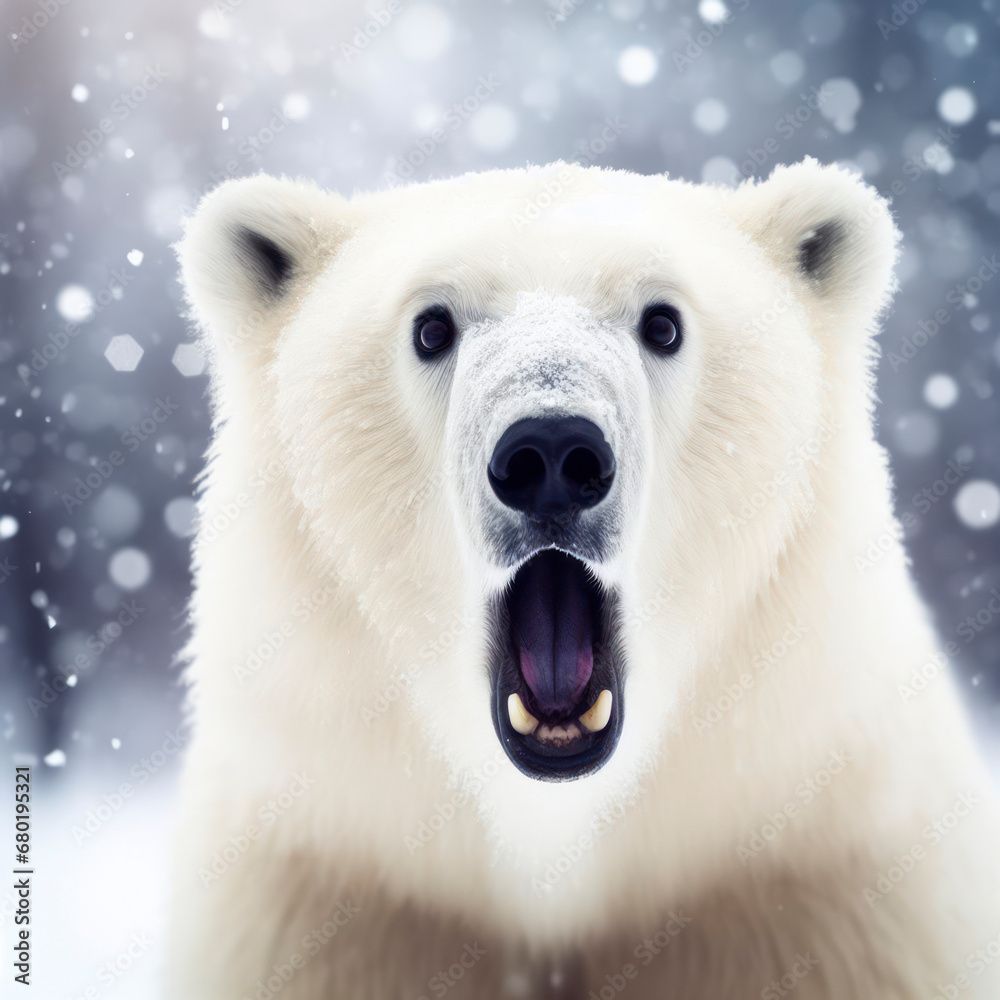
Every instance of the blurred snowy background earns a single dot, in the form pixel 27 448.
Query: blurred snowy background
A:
pixel 117 116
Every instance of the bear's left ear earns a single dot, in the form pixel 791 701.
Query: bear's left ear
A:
pixel 828 231
pixel 247 254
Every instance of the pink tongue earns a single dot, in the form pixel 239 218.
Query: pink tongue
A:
pixel 557 695
pixel 551 618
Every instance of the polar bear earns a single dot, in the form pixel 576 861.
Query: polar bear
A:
pixel 536 651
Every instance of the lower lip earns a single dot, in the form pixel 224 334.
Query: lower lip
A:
pixel 596 748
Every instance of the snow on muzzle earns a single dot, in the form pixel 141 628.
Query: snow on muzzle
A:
pixel 550 360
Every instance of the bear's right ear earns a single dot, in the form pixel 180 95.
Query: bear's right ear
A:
pixel 247 252
pixel 828 232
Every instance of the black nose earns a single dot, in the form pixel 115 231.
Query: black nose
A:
pixel 547 465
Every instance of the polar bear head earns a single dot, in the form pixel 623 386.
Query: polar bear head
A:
pixel 550 430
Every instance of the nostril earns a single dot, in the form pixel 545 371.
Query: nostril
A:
pixel 582 468
pixel 525 469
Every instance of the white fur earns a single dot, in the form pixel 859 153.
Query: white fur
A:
pixel 347 474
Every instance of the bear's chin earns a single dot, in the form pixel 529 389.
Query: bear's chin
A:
pixel 557 669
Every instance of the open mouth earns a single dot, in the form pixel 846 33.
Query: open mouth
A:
pixel 557 691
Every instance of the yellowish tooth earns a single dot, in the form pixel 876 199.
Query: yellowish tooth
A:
pixel 520 718
pixel 596 717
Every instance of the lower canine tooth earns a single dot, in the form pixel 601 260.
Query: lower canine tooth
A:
pixel 597 716
pixel 520 718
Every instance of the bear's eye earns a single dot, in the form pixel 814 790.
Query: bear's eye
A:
pixel 661 328
pixel 433 331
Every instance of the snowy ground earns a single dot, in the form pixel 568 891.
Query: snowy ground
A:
pixel 99 905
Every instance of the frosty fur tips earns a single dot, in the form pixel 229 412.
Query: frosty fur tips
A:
pixel 497 519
